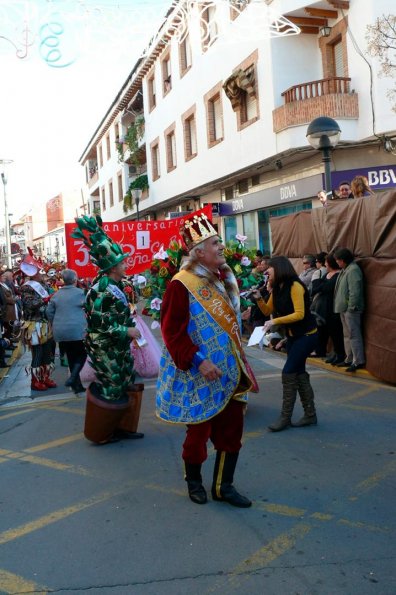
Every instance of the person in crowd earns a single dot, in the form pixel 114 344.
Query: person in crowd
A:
pixel 344 191
pixel 322 196
pixel 110 329
pixel 328 321
pixel 11 314
pixel 360 187
pixel 309 263
pixel 320 266
pixel 204 377
pixel 349 304
pixel 290 300
pixel 36 330
pixel 65 312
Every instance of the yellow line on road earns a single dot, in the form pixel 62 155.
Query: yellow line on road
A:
pixel 356 395
pixel 20 412
pixel 55 443
pixel 281 509
pixel 262 558
pixel 58 466
pixel 373 480
pixel 359 525
pixel 58 515
pixel 12 584
pixel 63 409
pixel 380 410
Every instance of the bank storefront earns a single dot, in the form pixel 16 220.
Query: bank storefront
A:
pixel 250 214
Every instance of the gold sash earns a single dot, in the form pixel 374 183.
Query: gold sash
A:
pixel 223 313
pixel 214 303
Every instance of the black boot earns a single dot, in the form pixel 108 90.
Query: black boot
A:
pixel 78 387
pixel 307 399
pixel 290 383
pixel 223 476
pixel 193 477
pixel 74 377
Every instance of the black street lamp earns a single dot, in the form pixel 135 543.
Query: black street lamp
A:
pixel 323 134
pixel 137 195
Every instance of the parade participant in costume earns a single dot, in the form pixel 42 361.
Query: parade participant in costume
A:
pixel 204 377
pixel 36 330
pixel 110 403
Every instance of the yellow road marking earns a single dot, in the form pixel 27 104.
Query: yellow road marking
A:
pixel 58 515
pixel 320 516
pixel 12 584
pixel 7 415
pixel 359 525
pixel 263 557
pixel 380 410
pixel 356 395
pixel 63 409
pixel 281 509
pixel 58 466
pixel 55 443
pixel 372 481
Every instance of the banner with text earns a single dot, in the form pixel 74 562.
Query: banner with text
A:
pixel 140 239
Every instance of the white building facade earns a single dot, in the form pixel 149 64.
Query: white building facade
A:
pixel 226 115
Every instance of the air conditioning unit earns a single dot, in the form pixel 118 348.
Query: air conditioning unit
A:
pixel 132 170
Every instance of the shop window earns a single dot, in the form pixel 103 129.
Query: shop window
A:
pixel 230 228
pixel 249 228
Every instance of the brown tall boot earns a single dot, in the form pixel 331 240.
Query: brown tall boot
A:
pixel 289 382
pixel 307 399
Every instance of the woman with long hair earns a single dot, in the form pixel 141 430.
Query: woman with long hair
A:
pixel 360 187
pixel 289 302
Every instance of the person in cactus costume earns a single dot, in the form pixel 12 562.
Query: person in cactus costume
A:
pixel 109 334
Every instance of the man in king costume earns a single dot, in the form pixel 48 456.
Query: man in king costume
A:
pixel 204 377
pixel 112 406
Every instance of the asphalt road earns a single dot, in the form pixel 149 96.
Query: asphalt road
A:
pixel 78 518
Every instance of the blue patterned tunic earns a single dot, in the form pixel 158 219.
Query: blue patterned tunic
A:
pixel 186 397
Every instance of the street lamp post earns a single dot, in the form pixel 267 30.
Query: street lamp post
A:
pixel 5 162
pixel 137 195
pixel 323 134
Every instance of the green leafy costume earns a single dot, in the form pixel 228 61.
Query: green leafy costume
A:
pixel 108 313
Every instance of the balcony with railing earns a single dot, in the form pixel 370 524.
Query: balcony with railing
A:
pixel 304 102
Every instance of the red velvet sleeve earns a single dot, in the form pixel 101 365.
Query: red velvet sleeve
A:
pixel 174 321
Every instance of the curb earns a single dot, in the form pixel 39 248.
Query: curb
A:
pixel 15 355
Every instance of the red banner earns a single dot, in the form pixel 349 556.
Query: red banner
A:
pixel 141 239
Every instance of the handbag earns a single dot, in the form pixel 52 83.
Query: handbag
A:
pixel 319 309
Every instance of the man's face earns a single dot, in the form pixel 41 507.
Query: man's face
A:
pixel 341 263
pixel 212 253
pixel 306 263
pixel 118 272
pixel 344 190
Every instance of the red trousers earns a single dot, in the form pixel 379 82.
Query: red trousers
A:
pixel 224 430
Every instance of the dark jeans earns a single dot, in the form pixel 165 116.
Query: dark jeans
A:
pixel 298 349
pixel 75 352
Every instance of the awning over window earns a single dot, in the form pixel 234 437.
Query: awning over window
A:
pixel 240 82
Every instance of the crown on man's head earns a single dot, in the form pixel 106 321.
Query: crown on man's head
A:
pixel 197 229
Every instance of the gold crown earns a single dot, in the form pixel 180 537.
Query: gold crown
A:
pixel 197 229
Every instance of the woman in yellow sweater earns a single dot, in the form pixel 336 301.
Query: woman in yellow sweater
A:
pixel 289 303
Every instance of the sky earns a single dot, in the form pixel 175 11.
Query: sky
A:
pixel 57 82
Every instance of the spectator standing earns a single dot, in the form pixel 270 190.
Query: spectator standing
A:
pixel 360 187
pixel 329 324
pixel 291 302
pixel 8 297
pixel 344 191
pixel 65 312
pixel 349 303
pixel 309 263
